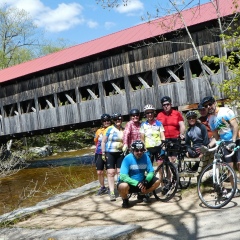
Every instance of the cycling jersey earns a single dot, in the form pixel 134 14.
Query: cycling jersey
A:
pixel 170 123
pixel 98 140
pixel 197 136
pixel 114 139
pixel 221 122
pixel 133 170
pixel 152 133
pixel 131 133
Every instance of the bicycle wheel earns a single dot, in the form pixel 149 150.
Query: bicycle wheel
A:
pixel 184 180
pixel 168 176
pixel 218 194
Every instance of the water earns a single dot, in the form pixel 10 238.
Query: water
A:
pixel 45 178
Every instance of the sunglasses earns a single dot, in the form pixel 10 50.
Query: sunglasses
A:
pixel 190 118
pixel 117 119
pixel 138 150
pixel 166 104
pixel 149 113
pixel 208 105
pixel 106 121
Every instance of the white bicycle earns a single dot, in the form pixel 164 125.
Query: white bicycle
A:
pixel 218 181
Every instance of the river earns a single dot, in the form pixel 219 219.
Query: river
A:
pixel 46 177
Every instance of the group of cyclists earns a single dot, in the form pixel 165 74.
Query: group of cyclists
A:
pixel 130 152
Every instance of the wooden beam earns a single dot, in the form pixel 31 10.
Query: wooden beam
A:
pixel 144 83
pixel 173 75
pixel 116 88
pixel 92 93
pixel 69 99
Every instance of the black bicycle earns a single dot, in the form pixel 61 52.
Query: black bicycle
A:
pixel 168 175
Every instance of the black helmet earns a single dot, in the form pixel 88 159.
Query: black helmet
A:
pixel 208 99
pixel 191 114
pixel 138 144
pixel 116 116
pixel 200 106
pixel 134 112
pixel 105 116
pixel 166 99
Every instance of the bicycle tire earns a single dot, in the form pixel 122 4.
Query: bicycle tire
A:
pixel 212 195
pixel 184 182
pixel 169 182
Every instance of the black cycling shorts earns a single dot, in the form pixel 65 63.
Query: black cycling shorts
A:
pixel 100 164
pixel 114 159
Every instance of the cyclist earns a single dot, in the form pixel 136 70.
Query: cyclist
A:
pixel 100 164
pixel 196 136
pixel 224 126
pixel 204 119
pixel 173 123
pixel 132 173
pixel 112 144
pixel 131 131
pixel 152 133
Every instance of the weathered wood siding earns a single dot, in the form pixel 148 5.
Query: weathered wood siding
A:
pixel 148 62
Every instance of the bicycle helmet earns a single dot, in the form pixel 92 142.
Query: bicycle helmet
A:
pixel 105 116
pixel 191 114
pixel 134 112
pixel 200 106
pixel 116 116
pixel 138 144
pixel 208 99
pixel 166 99
pixel 149 107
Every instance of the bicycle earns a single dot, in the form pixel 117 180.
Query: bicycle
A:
pixel 214 187
pixel 168 175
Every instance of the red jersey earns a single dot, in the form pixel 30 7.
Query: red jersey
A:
pixel 171 123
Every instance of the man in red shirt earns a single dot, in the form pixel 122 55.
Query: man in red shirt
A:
pixel 172 121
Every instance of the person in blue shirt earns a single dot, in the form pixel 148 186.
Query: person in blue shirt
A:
pixel 132 174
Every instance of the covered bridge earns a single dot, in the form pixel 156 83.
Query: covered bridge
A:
pixel 127 69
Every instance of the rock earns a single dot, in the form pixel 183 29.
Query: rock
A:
pixel 42 151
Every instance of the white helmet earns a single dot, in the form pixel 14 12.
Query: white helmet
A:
pixel 149 107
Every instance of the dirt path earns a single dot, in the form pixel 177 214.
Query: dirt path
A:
pixel 156 218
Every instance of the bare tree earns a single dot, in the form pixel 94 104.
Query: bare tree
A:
pixel 176 8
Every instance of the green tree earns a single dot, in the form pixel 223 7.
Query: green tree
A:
pixel 231 86
pixel 18 36
pixel 21 40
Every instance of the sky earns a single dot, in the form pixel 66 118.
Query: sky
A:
pixel 79 21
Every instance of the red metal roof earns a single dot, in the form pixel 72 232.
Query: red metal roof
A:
pixel 137 33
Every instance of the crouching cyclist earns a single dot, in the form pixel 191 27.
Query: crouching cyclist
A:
pixel 132 174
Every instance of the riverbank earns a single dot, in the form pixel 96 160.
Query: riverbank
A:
pixel 95 217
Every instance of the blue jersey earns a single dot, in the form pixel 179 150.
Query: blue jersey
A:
pixel 221 122
pixel 136 168
pixel 114 139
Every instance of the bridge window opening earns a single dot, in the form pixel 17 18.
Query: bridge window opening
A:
pixel 46 102
pixel 89 93
pixel 27 106
pixel 66 98
pixel 114 87
pixel 210 68
pixel 171 74
pixel 10 110
pixel 141 80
